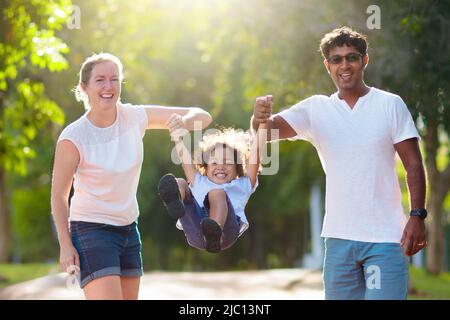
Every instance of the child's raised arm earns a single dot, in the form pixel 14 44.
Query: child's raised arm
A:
pixel 177 128
pixel 258 146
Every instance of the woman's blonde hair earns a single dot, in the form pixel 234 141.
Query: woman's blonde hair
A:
pixel 236 140
pixel 86 73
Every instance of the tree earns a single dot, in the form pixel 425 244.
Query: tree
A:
pixel 27 44
pixel 426 86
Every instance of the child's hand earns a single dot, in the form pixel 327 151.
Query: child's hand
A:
pixel 177 127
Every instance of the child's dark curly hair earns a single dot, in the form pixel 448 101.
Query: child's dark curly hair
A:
pixel 236 140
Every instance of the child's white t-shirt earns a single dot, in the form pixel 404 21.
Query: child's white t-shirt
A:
pixel 356 149
pixel 238 190
pixel 107 176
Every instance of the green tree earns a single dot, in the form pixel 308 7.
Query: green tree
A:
pixel 27 45
pixel 426 86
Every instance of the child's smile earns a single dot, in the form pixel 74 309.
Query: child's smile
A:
pixel 221 166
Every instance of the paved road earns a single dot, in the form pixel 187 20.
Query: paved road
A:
pixel 277 284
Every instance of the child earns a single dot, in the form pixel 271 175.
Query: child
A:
pixel 210 206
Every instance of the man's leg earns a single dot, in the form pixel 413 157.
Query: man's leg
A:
pixel 342 276
pixel 386 272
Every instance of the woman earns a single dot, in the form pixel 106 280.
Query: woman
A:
pixel 102 154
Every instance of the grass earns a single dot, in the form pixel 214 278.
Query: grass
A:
pixel 424 286
pixel 14 273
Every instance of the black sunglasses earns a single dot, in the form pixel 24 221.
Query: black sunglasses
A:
pixel 351 57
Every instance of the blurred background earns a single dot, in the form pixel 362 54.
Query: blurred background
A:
pixel 219 55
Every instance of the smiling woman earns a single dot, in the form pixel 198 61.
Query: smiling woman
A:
pixel 102 154
pixel 110 72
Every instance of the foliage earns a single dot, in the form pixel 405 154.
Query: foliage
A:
pixel 219 55
pixel 28 48
pixel 16 273
pixel 425 286
pixel 27 45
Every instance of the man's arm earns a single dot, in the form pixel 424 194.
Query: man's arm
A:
pixel 413 239
pixel 263 114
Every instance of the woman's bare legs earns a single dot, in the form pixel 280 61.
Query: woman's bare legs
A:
pixel 105 288
pixel 130 287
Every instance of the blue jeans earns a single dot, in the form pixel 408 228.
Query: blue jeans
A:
pixel 355 270
pixel 107 250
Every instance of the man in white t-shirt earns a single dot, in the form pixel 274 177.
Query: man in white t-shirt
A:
pixel 357 131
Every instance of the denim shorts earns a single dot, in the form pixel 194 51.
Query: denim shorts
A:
pixel 107 250
pixel 195 214
pixel 355 270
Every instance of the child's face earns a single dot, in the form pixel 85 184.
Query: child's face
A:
pixel 221 167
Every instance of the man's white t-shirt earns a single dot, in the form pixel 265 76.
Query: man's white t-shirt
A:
pixel 238 191
pixel 356 149
pixel 107 176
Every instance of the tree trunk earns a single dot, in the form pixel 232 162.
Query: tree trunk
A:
pixel 437 191
pixel 435 247
pixel 4 221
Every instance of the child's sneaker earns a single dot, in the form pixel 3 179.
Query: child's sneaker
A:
pixel 170 195
pixel 212 233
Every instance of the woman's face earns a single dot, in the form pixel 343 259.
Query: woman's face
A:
pixel 103 88
pixel 221 167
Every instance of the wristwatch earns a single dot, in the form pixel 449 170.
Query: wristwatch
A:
pixel 421 213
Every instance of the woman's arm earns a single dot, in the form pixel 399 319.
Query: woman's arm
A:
pixel 194 118
pixel 177 128
pixel 66 162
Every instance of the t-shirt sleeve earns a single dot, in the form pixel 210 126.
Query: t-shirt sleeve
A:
pixel 198 179
pixel 68 133
pixel 143 118
pixel 299 118
pixel 199 188
pixel 402 127
pixel 247 184
pixel 137 113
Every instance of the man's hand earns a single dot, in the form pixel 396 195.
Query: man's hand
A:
pixel 177 127
pixel 413 239
pixel 263 109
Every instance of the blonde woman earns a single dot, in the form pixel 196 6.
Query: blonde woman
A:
pixel 102 154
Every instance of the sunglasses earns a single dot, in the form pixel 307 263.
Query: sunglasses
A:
pixel 351 57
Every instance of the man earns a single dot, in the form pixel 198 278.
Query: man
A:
pixel 357 132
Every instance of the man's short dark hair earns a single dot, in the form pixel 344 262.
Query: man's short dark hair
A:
pixel 343 36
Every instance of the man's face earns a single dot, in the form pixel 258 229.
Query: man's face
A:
pixel 346 73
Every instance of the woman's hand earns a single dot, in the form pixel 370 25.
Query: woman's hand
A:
pixel 69 259
pixel 177 127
